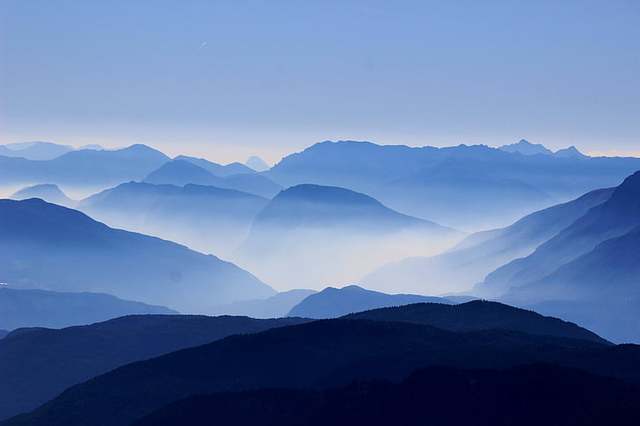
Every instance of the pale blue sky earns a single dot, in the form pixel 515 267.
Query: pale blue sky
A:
pixel 229 78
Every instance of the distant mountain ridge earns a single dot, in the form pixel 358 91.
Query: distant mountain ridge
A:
pixel 206 218
pixel 51 247
pixel 34 150
pixel 525 147
pixel 305 233
pixel 42 308
pixel 467 264
pixel 333 302
pixel 47 191
pixel 84 167
pixel 183 171
pixel 440 183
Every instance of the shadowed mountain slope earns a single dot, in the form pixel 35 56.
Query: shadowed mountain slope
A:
pixel 51 247
pixel 318 354
pixel 479 315
pixel 615 217
pixel 489 397
pixel 37 364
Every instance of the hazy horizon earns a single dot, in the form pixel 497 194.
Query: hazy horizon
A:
pixel 225 80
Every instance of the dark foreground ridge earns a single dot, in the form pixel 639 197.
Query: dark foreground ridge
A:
pixel 444 396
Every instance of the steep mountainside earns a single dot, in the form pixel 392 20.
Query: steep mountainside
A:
pixel 614 218
pixel 51 247
pixel 479 254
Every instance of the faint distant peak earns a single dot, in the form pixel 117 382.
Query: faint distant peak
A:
pixel 256 163
pixel 525 147
pixel 571 152
pixel 92 146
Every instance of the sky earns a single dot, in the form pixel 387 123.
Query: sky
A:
pixel 227 79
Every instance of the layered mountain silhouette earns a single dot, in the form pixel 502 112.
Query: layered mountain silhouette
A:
pixel 525 147
pixel 181 172
pixel 479 315
pixel 3 333
pixel 465 186
pixel 489 397
pixel 467 264
pixel 206 218
pixel 307 233
pixel 276 306
pixel 84 167
pixel 55 248
pixel 34 150
pixel 256 163
pixel 47 191
pixel 42 308
pixel 37 364
pixel 617 216
pixel 336 302
pixel 317 354
pixel 218 169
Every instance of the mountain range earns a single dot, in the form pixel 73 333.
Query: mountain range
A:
pixel 563 396
pixel 615 217
pixel 321 354
pixel 183 171
pixel 469 262
pixel 37 364
pixel 525 147
pixel 305 234
pixel 39 150
pixel 206 218
pixel 85 167
pixel 443 183
pixel 55 248
pixel 336 302
pixel 42 308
